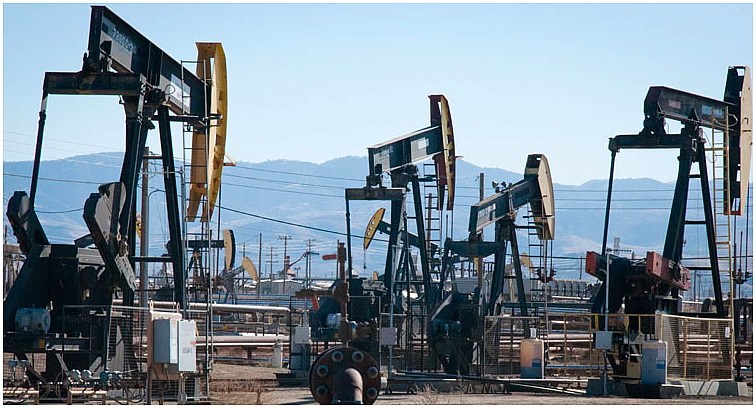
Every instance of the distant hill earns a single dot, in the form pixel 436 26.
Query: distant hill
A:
pixel 312 194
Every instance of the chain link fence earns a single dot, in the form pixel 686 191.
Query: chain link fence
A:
pixel 697 348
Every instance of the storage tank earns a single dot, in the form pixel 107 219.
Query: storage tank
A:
pixel 277 355
pixel 654 362
pixel 531 358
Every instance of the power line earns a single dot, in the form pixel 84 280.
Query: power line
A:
pixel 59 212
pixel 284 191
pixel 297 174
pixel 52 179
pixel 294 224
pixel 338 196
pixel 283 181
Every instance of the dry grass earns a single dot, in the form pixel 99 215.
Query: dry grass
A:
pixel 428 395
pixel 238 392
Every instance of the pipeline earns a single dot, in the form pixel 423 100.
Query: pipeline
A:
pixel 533 385
pixel 220 307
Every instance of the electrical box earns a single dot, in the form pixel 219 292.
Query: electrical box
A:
pixel 604 340
pixel 165 337
pixel 301 335
pixel 387 336
pixel 531 358
pixel 654 362
pixel 187 345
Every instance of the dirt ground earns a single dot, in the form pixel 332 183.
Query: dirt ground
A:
pixel 271 394
pixel 301 396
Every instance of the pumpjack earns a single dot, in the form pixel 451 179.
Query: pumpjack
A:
pixel 398 157
pixel 361 306
pixel 457 321
pixel 654 284
pixel 71 286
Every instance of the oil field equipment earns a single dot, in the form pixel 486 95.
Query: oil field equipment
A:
pixel 359 306
pixel 69 288
pixel 345 374
pixel 651 287
pixel 398 157
pixel 456 322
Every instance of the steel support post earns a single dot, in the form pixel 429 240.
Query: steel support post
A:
pixel 171 200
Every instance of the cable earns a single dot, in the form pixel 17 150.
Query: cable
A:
pixel 66 150
pixel 284 181
pixel 52 179
pixel 284 191
pixel 298 174
pixel 59 140
pixel 333 196
pixel 59 212
pixel 294 224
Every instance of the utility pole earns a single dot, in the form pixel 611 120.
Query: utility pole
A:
pixel 270 263
pixel 259 266
pixel 285 239
pixel 307 269
pixel 144 241
pixel 244 255
pixel 479 260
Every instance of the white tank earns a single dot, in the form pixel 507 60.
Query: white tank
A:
pixel 33 320
pixel 654 362
pixel 531 358
pixel 277 355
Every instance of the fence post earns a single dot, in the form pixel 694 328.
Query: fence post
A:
pixel 564 329
pixel 591 344
pixel 511 345
pixel 708 348
pixel 685 326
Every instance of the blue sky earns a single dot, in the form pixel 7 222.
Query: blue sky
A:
pixel 315 82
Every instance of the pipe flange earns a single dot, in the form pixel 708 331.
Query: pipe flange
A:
pixel 331 365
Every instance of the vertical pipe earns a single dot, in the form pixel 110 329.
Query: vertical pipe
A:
pixel 244 255
pixel 144 243
pixel 348 236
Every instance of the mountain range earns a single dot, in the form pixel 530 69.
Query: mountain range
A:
pixel 277 198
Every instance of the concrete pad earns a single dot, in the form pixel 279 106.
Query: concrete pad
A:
pixel 712 388
pixel 733 388
pixel 595 388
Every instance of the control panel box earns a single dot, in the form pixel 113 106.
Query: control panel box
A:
pixel 165 341
pixel 187 345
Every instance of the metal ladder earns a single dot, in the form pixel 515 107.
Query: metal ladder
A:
pixel 432 215
pixel 721 206
pixel 537 252
pixel 199 267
